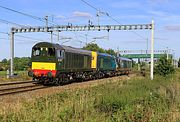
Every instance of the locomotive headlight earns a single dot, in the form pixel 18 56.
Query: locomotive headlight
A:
pixel 49 74
pixel 30 73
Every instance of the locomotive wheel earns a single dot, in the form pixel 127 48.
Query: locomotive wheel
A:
pixel 56 81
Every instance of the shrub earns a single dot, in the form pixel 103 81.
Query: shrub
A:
pixel 179 63
pixel 164 67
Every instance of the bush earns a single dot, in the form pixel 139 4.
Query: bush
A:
pixel 164 67
pixel 179 63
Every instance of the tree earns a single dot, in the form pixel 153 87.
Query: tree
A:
pixel 95 47
pixel 179 63
pixel 111 52
pixel 4 60
pixel 164 66
pixel 21 63
pixel 4 64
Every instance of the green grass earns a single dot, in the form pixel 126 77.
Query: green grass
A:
pixel 4 73
pixel 21 75
pixel 138 99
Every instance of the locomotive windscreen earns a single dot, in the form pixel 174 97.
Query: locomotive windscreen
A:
pixel 43 51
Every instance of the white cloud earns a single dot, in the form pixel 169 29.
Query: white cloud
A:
pixel 70 19
pixel 173 27
pixel 157 13
pixel 164 16
pixel 81 14
pixel 138 16
pixel 75 16
pixel 159 1
pixel 60 17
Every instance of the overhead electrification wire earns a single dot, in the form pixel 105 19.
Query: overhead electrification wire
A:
pixel 22 36
pixel 13 23
pixel 28 15
pixel 131 31
pixel 25 14
pixel 90 5
pixel 4 33
pixel 107 14
pixel 29 37
pixel 8 22
pixel 34 17
pixel 19 40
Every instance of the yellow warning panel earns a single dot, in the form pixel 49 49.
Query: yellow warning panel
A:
pixel 94 60
pixel 43 65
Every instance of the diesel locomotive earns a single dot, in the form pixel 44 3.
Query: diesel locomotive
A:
pixel 58 64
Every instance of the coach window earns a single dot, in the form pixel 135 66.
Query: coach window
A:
pixel 61 53
pixel 58 53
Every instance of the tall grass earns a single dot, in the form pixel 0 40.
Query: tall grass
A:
pixel 137 99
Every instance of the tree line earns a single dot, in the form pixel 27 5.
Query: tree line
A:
pixel 20 64
pixel 95 47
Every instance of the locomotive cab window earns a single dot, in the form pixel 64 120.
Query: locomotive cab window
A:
pixel 36 51
pixel 51 51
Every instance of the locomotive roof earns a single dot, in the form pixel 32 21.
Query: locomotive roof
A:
pixel 48 44
pixel 75 50
pixel 66 48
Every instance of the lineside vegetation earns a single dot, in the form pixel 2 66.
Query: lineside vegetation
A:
pixel 137 99
pixel 164 67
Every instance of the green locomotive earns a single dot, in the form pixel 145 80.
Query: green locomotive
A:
pixel 54 63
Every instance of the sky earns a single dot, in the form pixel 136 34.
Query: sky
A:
pixel 166 14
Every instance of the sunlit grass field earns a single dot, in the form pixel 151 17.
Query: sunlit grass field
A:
pixel 138 99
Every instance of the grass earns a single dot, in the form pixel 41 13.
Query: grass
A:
pixel 138 99
pixel 4 73
pixel 21 75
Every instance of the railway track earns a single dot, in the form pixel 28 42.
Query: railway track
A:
pixel 15 83
pixel 19 87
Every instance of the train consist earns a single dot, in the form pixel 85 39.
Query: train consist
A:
pixel 58 64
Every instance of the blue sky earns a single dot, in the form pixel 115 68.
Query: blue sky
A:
pixel 166 14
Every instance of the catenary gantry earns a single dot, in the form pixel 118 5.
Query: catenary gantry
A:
pixel 82 28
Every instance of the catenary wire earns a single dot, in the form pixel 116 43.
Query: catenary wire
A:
pixel 107 14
